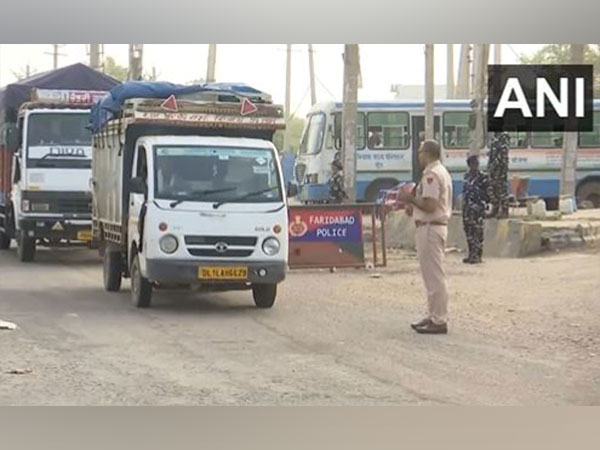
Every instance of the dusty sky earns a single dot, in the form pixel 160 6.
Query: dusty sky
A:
pixel 263 66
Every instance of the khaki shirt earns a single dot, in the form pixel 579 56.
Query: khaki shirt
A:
pixel 436 183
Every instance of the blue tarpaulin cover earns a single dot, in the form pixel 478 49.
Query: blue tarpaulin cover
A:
pixel 107 108
pixel 76 77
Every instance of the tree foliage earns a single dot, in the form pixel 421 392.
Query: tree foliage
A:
pixel 296 128
pixel 115 70
pixel 561 54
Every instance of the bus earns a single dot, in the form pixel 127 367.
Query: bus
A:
pixel 388 135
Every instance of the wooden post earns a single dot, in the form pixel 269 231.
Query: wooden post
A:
pixel 450 71
pixel 462 87
pixel 429 92
pixel 288 98
pixel 311 68
pixel 349 115
pixel 480 57
pixel 136 54
pixel 568 174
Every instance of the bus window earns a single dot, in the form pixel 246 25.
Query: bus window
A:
pixel 387 130
pixel 312 140
pixel 547 139
pixel 360 130
pixel 519 139
pixel 457 133
pixel 591 138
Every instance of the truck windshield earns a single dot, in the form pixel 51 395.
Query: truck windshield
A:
pixel 59 140
pixel 215 174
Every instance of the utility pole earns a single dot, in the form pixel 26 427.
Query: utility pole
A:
pixel 568 172
pixel 212 62
pixel 96 56
pixel 55 54
pixel 311 68
pixel 136 54
pixel 480 59
pixel 349 116
pixel 450 71
pixel 288 98
pixel 429 92
pixel 497 53
pixel 462 88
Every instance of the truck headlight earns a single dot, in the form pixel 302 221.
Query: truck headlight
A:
pixel 39 207
pixel 168 243
pixel 271 246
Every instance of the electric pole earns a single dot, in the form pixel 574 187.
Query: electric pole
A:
pixel 288 99
pixel 96 52
pixel 497 53
pixel 212 62
pixel 55 54
pixel 311 68
pixel 349 116
pixel 462 88
pixel 568 175
pixel 480 59
pixel 136 54
pixel 450 71
pixel 429 92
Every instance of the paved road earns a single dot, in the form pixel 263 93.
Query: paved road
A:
pixel 522 332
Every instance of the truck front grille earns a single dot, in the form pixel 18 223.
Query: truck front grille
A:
pixel 300 172
pixel 221 246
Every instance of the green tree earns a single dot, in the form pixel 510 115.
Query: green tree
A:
pixel 296 128
pixel 115 70
pixel 561 54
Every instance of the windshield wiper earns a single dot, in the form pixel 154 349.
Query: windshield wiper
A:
pixel 64 155
pixel 245 196
pixel 195 194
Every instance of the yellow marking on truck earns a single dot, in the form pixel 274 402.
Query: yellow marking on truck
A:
pixel 223 273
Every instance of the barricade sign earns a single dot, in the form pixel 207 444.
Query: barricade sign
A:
pixel 326 236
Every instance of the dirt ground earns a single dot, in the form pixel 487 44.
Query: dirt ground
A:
pixel 522 332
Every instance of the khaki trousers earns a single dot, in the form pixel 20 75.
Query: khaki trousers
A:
pixel 431 242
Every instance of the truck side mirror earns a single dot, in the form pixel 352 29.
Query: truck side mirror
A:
pixel 12 138
pixel 292 189
pixel 137 185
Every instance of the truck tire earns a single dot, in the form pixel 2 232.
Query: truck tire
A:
pixel 141 288
pixel 4 241
pixel 590 192
pixel 112 270
pixel 25 248
pixel 264 295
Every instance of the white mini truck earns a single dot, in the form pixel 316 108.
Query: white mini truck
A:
pixel 192 198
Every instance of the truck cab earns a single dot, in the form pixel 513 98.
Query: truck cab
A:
pixel 192 200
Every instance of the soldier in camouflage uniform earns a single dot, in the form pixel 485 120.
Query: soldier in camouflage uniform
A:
pixel 498 173
pixel 336 183
pixel 475 188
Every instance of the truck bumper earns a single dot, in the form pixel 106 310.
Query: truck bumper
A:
pixel 186 272
pixel 57 228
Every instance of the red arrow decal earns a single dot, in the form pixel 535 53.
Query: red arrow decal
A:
pixel 170 104
pixel 248 107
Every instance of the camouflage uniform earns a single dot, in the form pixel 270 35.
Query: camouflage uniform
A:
pixel 498 172
pixel 336 188
pixel 475 187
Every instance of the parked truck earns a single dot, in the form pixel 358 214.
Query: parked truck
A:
pixel 188 190
pixel 45 159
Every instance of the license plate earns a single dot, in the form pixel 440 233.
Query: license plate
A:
pixel 84 235
pixel 223 273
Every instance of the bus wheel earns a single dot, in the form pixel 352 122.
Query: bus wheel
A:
pixel 26 247
pixel 141 288
pixel 112 270
pixel 264 295
pixel 590 192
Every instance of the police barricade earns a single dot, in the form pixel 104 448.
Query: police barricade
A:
pixel 327 236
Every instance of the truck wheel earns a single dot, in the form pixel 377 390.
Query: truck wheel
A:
pixel 112 270
pixel 141 288
pixel 4 241
pixel 264 295
pixel 26 248
pixel 590 192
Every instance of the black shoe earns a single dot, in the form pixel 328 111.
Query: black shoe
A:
pixel 421 323
pixel 468 260
pixel 432 328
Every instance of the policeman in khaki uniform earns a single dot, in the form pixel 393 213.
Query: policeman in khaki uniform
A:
pixel 431 209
